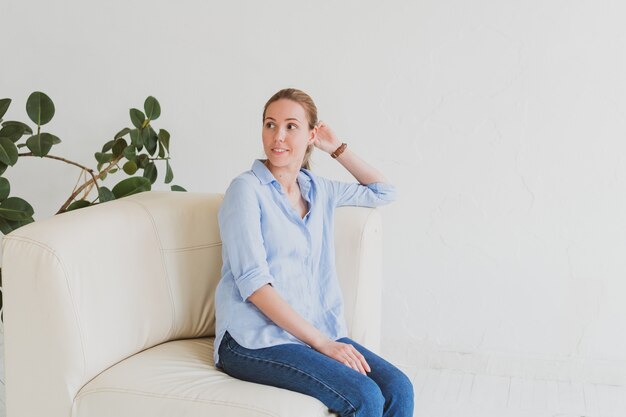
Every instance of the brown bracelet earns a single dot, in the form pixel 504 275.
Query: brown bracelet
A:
pixel 339 150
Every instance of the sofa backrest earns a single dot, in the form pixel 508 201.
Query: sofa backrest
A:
pixel 88 288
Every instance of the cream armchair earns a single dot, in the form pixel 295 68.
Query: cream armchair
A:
pixel 109 311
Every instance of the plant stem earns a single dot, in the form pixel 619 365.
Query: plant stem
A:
pixel 94 178
pixel 60 159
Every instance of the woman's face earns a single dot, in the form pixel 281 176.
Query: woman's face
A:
pixel 286 134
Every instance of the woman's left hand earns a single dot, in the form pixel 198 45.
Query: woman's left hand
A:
pixel 326 139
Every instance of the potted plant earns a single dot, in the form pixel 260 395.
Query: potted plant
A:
pixel 132 149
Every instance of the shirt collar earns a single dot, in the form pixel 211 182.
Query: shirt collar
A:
pixel 265 176
pixel 262 173
pixel 304 179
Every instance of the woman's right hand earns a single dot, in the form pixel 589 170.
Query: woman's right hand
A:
pixel 325 139
pixel 346 354
pixel 270 302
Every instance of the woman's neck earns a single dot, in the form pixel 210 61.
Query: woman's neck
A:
pixel 286 176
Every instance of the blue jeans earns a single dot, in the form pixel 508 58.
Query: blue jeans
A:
pixel 386 391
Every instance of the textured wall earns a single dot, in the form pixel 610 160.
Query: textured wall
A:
pixel 502 123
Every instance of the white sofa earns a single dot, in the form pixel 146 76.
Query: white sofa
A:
pixel 109 311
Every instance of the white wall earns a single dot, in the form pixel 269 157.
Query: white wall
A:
pixel 501 122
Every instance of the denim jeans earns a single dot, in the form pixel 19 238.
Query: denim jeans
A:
pixel 386 391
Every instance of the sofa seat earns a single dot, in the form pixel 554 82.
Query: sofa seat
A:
pixel 178 378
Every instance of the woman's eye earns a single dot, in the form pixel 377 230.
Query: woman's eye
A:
pixel 292 126
pixel 269 124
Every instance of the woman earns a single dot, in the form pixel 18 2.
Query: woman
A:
pixel 279 308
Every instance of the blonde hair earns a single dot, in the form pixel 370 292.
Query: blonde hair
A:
pixel 310 109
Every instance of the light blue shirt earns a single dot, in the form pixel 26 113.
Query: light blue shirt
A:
pixel 265 241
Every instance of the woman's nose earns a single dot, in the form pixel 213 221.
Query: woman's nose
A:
pixel 279 136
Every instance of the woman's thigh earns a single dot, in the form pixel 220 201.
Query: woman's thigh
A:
pixel 299 368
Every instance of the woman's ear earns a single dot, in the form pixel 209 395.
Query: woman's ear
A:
pixel 313 135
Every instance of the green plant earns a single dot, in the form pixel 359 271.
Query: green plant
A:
pixel 138 152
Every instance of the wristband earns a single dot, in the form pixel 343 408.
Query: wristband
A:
pixel 339 150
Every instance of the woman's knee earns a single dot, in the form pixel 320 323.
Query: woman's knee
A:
pixel 371 401
pixel 404 385
pixel 399 393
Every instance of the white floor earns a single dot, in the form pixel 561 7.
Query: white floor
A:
pixel 446 393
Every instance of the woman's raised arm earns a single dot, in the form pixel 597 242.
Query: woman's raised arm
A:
pixel 327 141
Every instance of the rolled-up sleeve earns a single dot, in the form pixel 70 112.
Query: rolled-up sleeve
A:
pixel 355 194
pixel 244 254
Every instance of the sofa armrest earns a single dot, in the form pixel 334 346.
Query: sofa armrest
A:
pixel 358 247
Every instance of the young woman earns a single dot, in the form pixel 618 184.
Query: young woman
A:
pixel 279 308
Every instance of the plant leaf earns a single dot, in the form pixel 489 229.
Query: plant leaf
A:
pixel 40 144
pixel 4 106
pixel 5 188
pixel 177 188
pixel 104 195
pixel 130 167
pixel 13 132
pixel 169 174
pixel 145 137
pixel 15 208
pixel 161 150
pixel 103 158
pixel 121 133
pixel 129 153
pixel 27 128
pixel 118 148
pixel 78 204
pixel 152 108
pixel 137 117
pixel 135 137
pixel 150 172
pixel 7 226
pixel 8 151
pixel 142 160
pixel 164 138
pixel 150 140
pixel 107 146
pixel 39 108
pixel 3 167
pixel 132 185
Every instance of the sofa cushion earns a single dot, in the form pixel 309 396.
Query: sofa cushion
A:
pixel 179 378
